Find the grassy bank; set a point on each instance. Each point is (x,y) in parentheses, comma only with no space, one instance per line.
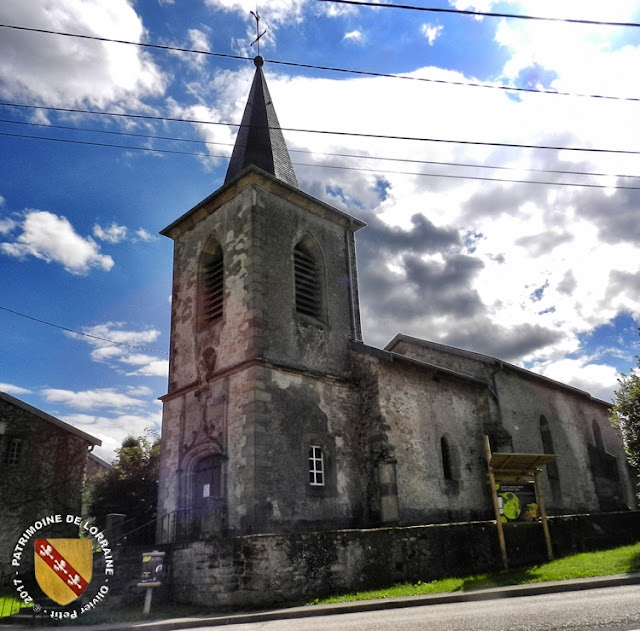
(622,560)
(9,604)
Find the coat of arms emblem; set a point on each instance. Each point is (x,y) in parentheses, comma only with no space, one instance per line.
(63,567)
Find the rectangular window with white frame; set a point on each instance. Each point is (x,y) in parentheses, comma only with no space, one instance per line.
(316,466)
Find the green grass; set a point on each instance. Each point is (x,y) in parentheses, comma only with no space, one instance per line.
(10,605)
(617,561)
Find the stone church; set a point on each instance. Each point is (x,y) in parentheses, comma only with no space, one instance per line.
(279,419)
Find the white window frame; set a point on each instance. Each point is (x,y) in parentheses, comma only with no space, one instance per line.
(316,466)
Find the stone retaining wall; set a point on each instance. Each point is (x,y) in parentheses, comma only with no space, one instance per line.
(259,570)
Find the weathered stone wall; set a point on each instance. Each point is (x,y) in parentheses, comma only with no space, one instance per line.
(523,398)
(407,410)
(261,570)
(318,345)
(260,383)
(299,411)
(47,480)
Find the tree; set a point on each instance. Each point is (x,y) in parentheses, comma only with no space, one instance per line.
(625,415)
(130,486)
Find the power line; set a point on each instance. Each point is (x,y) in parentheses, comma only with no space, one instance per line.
(122,41)
(333,166)
(474,177)
(358,156)
(328,132)
(515,16)
(107,144)
(469,84)
(95,337)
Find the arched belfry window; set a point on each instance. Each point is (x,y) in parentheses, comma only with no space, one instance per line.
(211,282)
(308,278)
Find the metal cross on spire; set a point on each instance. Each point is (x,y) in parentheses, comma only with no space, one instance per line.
(258,33)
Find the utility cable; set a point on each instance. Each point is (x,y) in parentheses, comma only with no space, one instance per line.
(327,132)
(95,337)
(515,16)
(358,156)
(471,84)
(332,166)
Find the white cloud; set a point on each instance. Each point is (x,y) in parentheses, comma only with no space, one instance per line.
(64,71)
(52,238)
(7,225)
(115,332)
(112,234)
(94,399)
(121,348)
(431,32)
(198,40)
(354,36)
(13,390)
(143,235)
(600,380)
(153,368)
(112,430)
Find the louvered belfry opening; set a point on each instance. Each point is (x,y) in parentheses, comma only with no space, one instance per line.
(213,282)
(307,279)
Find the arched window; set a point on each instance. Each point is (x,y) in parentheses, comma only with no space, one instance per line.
(448,453)
(308,282)
(211,282)
(597,435)
(547,447)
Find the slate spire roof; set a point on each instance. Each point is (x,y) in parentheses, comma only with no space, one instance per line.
(260,141)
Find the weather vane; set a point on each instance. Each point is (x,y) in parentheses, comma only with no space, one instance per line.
(258,33)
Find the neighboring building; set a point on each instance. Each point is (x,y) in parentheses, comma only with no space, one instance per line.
(279,419)
(42,469)
(95,466)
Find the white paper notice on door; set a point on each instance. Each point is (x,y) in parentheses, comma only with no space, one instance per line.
(206,490)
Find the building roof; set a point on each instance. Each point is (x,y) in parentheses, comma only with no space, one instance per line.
(254,176)
(493,361)
(92,440)
(260,141)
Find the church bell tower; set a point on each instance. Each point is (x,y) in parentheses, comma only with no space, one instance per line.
(264,305)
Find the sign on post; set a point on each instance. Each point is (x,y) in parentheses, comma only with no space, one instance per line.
(151,575)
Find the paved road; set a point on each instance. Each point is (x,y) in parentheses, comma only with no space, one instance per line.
(612,608)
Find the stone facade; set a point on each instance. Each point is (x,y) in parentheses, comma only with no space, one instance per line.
(280,422)
(399,431)
(42,469)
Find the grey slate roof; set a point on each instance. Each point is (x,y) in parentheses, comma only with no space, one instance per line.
(92,440)
(260,141)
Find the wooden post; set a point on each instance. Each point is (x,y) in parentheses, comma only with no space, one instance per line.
(496,505)
(147,601)
(543,514)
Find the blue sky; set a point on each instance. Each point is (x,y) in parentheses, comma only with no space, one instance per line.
(545,276)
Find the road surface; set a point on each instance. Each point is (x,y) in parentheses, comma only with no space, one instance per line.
(612,608)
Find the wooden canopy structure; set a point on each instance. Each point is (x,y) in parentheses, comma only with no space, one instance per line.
(515,468)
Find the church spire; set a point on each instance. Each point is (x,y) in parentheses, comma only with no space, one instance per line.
(260,141)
